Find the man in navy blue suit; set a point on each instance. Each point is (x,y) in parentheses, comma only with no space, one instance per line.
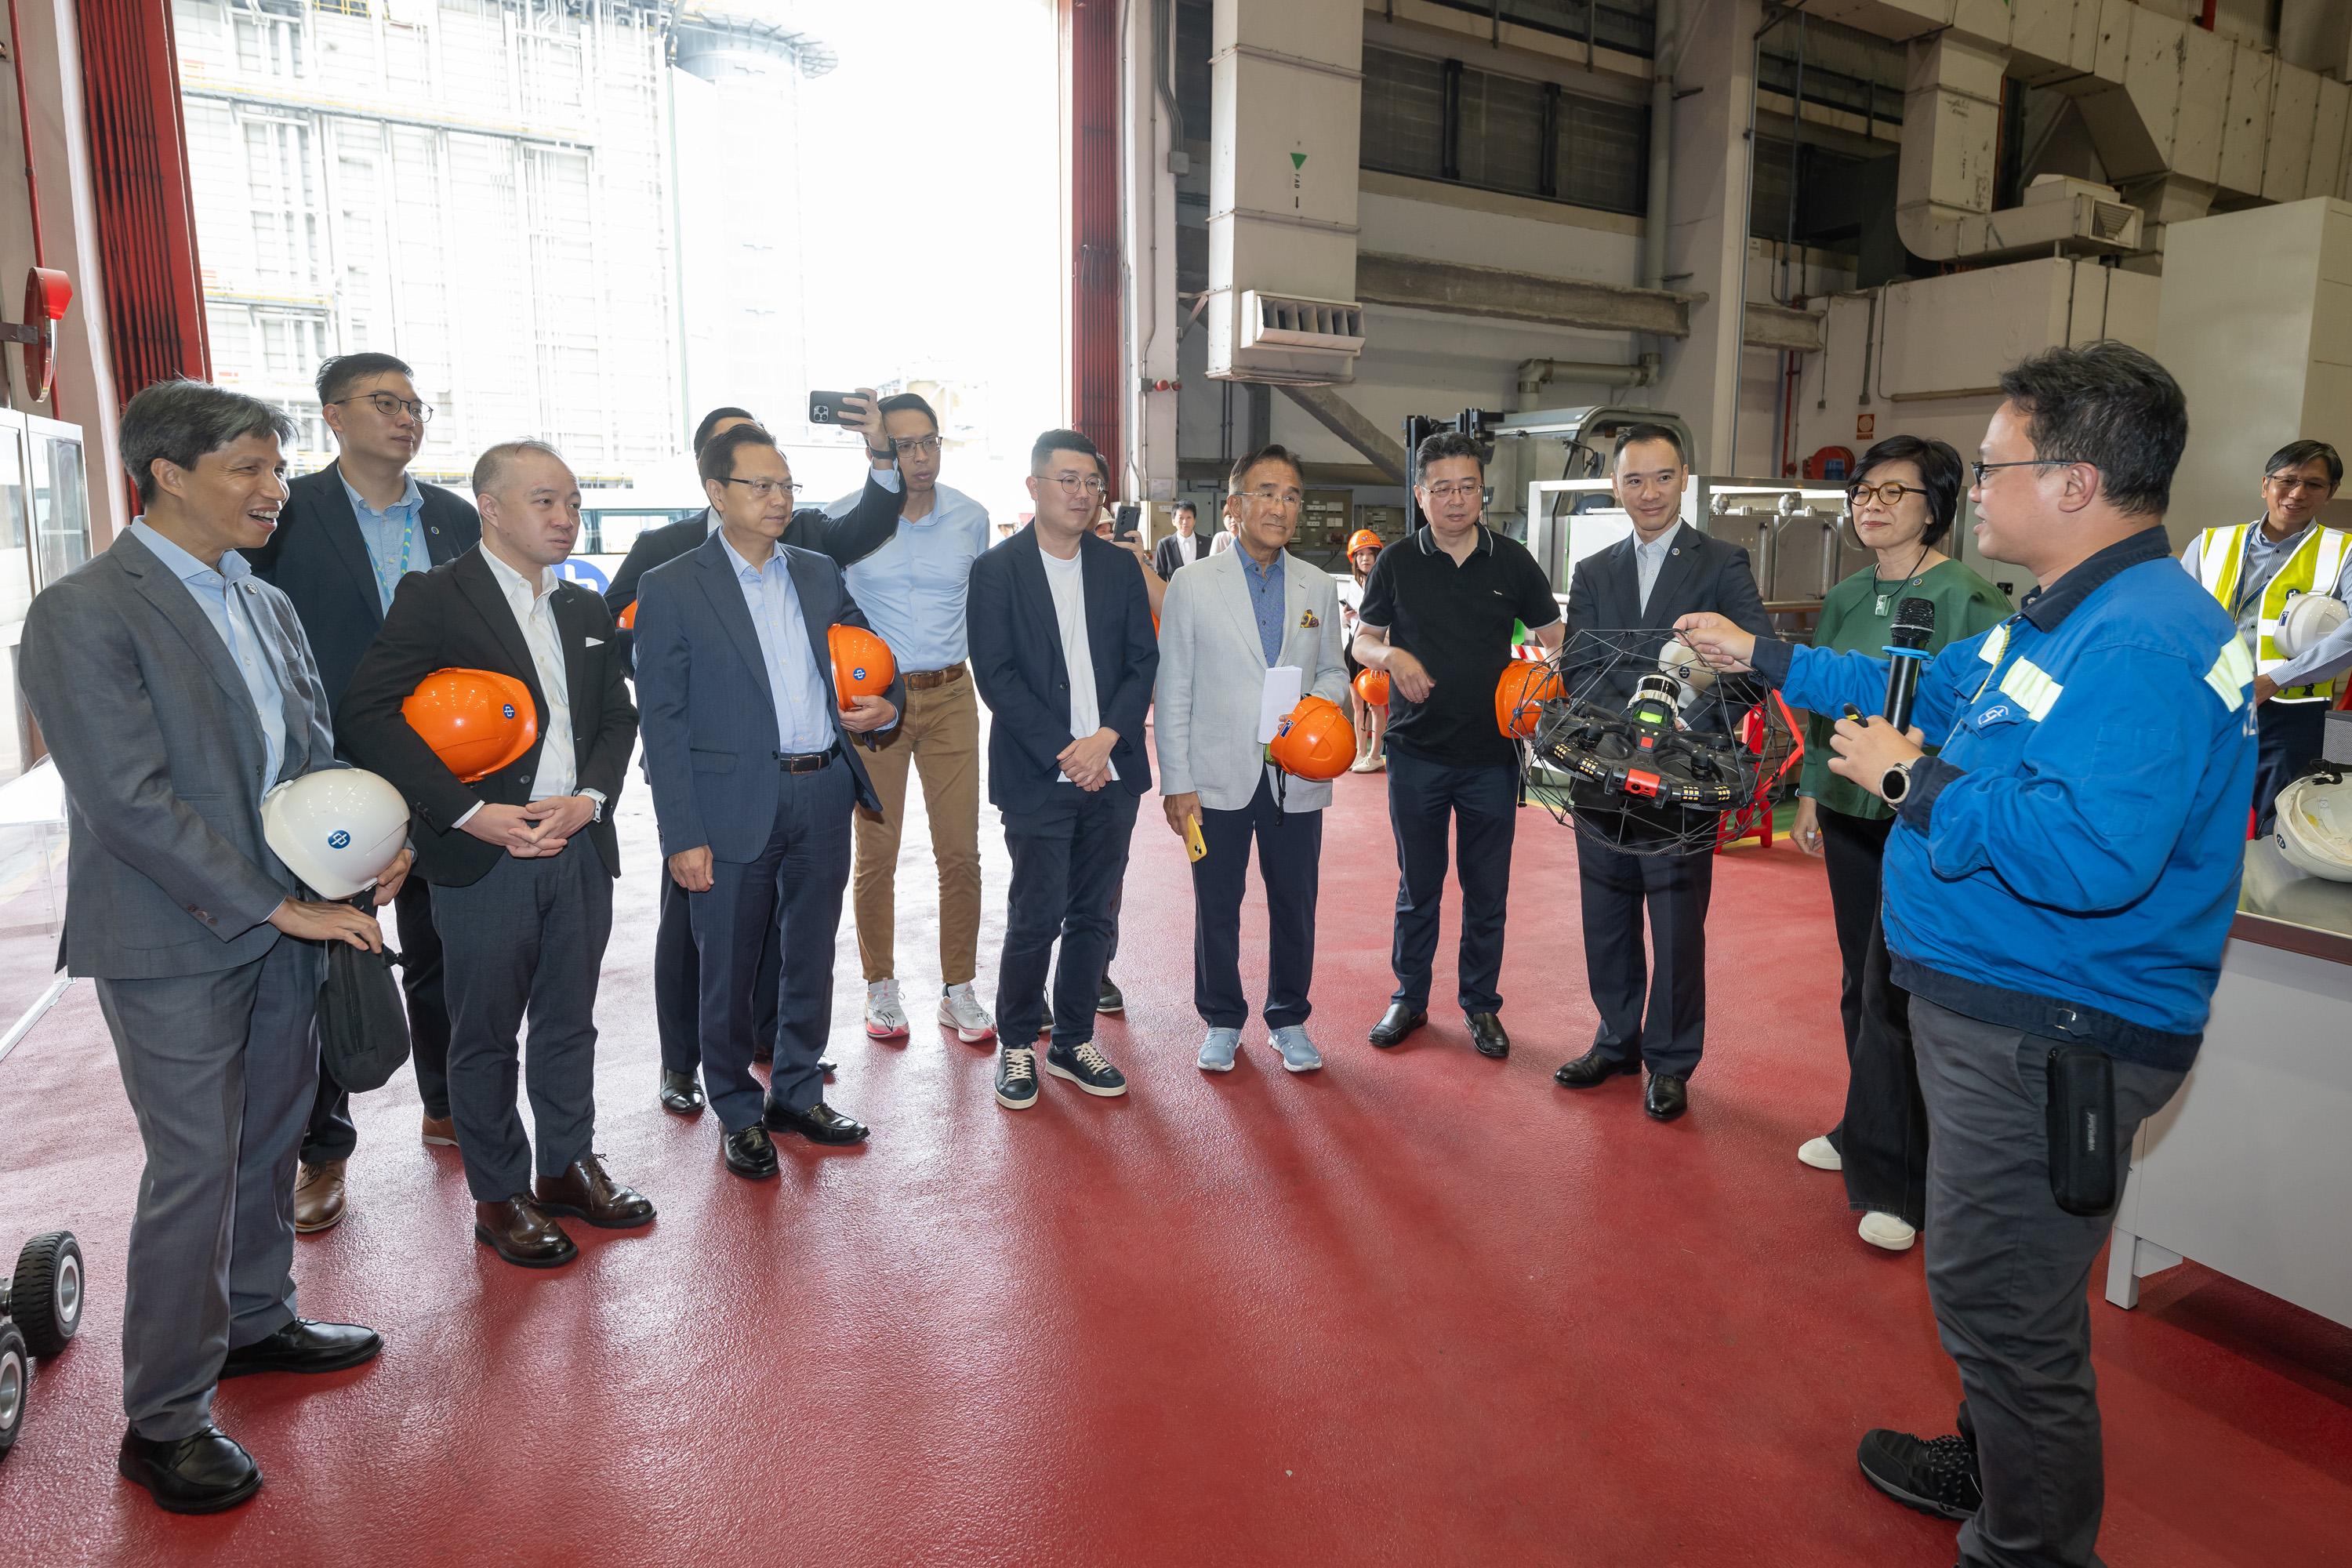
(1065,656)
(754,770)
(349,534)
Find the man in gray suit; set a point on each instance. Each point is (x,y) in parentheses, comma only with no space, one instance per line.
(1227,621)
(174,689)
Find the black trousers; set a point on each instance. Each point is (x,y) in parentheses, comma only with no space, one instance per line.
(1883,1136)
(1069,862)
(2289,734)
(1289,856)
(1481,807)
(788,899)
(332,1135)
(527,947)
(1653,1006)
(677,983)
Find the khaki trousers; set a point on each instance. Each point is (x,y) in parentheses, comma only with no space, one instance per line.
(939,736)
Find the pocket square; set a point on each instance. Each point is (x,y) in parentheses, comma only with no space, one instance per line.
(1309,620)
(595,642)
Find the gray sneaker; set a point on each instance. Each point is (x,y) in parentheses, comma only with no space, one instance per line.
(1298,1052)
(1218,1050)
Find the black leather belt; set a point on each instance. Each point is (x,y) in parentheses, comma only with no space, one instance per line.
(808,761)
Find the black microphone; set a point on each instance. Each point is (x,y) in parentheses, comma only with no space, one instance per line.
(1915,623)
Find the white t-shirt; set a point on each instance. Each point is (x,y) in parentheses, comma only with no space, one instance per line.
(1067,580)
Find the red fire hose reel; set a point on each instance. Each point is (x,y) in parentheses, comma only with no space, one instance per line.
(48,292)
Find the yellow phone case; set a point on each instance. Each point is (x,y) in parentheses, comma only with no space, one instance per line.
(1194,845)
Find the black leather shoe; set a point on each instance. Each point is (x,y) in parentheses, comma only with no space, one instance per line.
(1667,1096)
(1395,1024)
(826,1069)
(750,1154)
(820,1123)
(305,1346)
(1486,1035)
(204,1472)
(1109,999)
(681,1093)
(1593,1067)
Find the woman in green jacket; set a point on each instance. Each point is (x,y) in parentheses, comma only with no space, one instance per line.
(1902,503)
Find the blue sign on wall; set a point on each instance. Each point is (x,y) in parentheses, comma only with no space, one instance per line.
(586,572)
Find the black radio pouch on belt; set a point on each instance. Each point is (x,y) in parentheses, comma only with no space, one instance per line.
(2084,1163)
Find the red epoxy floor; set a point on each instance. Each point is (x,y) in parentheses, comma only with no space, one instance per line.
(1420,1307)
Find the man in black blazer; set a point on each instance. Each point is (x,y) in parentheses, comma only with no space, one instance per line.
(1183,547)
(865,527)
(522,861)
(350,532)
(755,769)
(1666,570)
(1065,656)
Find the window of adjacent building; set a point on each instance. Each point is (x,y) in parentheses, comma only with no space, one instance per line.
(283,192)
(268,35)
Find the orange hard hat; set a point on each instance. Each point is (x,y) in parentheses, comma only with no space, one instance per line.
(475,720)
(1372,686)
(1362,539)
(628,617)
(1314,741)
(1524,685)
(862,664)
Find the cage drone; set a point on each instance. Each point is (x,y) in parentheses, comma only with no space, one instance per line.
(1637,743)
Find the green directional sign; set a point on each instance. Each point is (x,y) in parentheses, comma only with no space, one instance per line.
(1298,160)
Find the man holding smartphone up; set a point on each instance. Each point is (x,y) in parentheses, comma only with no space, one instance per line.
(2059,885)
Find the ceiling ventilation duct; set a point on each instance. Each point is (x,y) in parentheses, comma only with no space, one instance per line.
(1287,90)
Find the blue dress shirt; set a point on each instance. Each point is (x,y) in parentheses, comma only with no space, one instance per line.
(213,589)
(1265,590)
(390,536)
(913,588)
(801,691)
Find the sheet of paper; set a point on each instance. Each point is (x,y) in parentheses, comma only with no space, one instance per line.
(1284,682)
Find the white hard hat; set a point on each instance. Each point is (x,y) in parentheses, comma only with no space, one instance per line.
(1682,661)
(2309,618)
(335,828)
(2314,831)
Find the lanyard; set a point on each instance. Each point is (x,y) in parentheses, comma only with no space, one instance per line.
(407,538)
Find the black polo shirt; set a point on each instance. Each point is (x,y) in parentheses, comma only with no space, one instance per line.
(1458,621)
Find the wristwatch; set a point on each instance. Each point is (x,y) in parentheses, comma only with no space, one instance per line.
(1895,781)
(886,455)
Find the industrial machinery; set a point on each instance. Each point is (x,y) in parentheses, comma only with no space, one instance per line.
(1646,750)
(40,1312)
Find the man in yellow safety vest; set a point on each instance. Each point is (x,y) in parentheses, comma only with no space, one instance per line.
(2255,569)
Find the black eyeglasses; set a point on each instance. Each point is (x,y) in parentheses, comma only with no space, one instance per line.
(391,408)
(925,445)
(1984,468)
(762,489)
(1889,494)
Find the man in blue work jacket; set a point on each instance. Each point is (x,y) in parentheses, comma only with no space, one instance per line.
(2062,873)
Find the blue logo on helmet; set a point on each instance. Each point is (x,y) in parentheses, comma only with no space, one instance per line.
(339,839)
(507,709)
(857,672)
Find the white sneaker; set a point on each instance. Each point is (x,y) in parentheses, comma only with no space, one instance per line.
(1820,1154)
(1887,1231)
(961,1010)
(885,1019)
(1217,1050)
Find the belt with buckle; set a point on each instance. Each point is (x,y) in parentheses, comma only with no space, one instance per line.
(924,679)
(808,761)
